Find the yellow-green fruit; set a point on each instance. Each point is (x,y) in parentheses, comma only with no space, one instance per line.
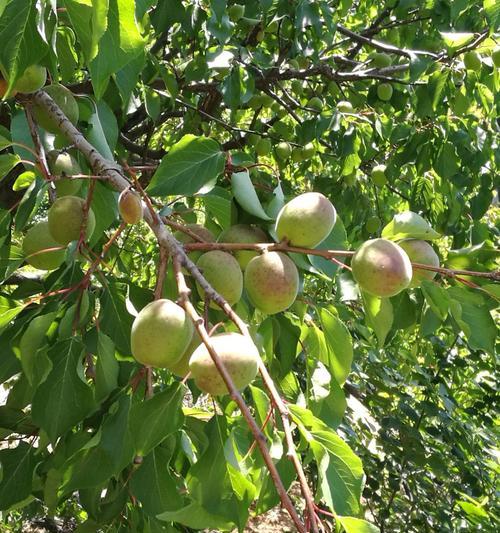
(495,56)
(381,60)
(235,12)
(32,79)
(308,151)
(306,220)
(38,238)
(203,233)
(283,151)
(239,355)
(344,106)
(223,273)
(181,367)
(378,175)
(65,100)
(297,155)
(315,103)
(298,87)
(161,333)
(245,234)
(263,147)
(66,219)
(372,224)
(420,252)
(272,282)
(472,61)
(384,91)
(64,164)
(381,268)
(130,206)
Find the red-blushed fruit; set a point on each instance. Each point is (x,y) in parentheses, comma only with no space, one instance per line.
(223,273)
(381,267)
(130,206)
(37,239)
(306,220)
(239,355)
(420,252)
(160,334)
(244,234)
(66,217)
(272,282)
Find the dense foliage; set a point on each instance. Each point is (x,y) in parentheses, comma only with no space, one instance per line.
(222,113)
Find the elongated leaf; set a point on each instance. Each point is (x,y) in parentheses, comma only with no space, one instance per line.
(191,166)
(246,196)
(7,163)
(114,318)
(107,367)
(379,315)
(63,399)
(356,525)
(17,469)
(8,310)
(409,225)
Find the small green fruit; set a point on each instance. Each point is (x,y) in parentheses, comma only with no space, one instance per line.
(161,333)
(378,175)
(239,355)
(308,151)
(130,206)
(235,12)
(294,64)
(283,151)
(307,220)
(252,139)
(272,282)
(472,61)
(38,238)
(260,36)
(420,252)
(382,268)
(64,99)
(223,273)
(203,233)
(298,87)
(315,103)
(372,224)
(384,91)
(63,164)
(344,107)
(263,147)
(297,155)
(244,234)
(65,219)
(381,60)
(32,79)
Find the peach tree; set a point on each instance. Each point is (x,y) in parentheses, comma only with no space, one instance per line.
(248,259)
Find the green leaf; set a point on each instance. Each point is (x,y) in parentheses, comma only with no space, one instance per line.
(379,315)
(409,225)
(191,167)
(447,163)
(339,344)
(327,400)
(17,469)
(120,44)
(8,310)
(456,40)
(155,419)
(246,196)
(107,367)
(492,10)
(337,240)
(63,399)
(153,485)
(7,163)
(437,298)
(220,207)
(114,319)
(356,525)
(24,180)
(196,517)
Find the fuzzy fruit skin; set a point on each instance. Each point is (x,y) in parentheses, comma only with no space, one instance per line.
(283,151)
(181,367)
(130,206)
(245,234)
(373,224)
(239,355)
(235,12)
(66,217)
(306,220)
(223,273)
(199,230)
(472,61)
(65,100)
(64,164)
(316,103)
(39,238)
(33,78)
(384,91)
(344,107)
(378,175)
(272,282)
(381,60)
(161,333)
(381,267)
(420,251)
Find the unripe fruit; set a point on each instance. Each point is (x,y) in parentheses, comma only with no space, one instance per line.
(297,155)
(294,64)
(420,252)
(283,151)
(245,234)
(205,234)
(272,282)
(298,87)
(315,103)
(181,367)
(130,206)
(372,224)
(39,238)
(32,79)
(239,355)
(306,220)
(378,175)
(381,60)
(63,164)
(381,268)
(308,151)
(263,147)
(66,217)
(472,61)
(161,333)
(235,12)
(495,56)
(344,106)
(64,99)
(223,273)
(384,91)
(260,36)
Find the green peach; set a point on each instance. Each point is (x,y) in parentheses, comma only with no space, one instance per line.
(420,251)
(66,218)
(37,239)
